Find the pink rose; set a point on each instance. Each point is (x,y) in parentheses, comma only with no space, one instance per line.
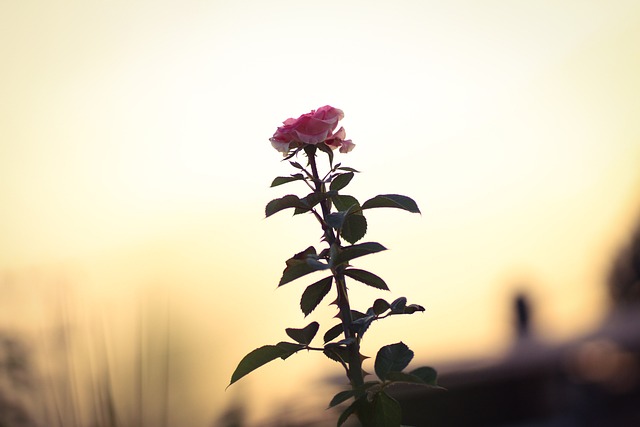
(337,141)
(312,128)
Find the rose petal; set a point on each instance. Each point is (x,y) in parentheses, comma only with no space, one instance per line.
(340,134)
(328,112)
(311,128)
(347,146)
(282,147)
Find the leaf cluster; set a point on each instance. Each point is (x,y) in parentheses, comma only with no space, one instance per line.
(265,354)
(342,218)
(348,220)
(371,399)
(380,309)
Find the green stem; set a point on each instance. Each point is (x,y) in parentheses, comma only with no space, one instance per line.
(354,371)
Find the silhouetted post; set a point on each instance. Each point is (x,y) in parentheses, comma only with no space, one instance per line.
(523,315)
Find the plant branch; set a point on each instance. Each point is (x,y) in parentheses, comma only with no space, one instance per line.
(354,370)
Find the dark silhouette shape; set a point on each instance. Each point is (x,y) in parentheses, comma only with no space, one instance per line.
(522,308)
(624,277)
(15,377)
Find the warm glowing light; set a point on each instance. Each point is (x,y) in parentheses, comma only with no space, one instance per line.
(134,153)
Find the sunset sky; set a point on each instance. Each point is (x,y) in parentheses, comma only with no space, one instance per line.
(135,165)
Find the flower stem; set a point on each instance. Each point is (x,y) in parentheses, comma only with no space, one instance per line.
(354,371)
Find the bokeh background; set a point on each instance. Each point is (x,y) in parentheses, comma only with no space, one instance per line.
(136,266)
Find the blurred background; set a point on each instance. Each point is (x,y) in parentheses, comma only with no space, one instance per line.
(136,266)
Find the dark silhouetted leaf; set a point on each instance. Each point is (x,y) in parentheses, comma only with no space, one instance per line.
(354,228)
(403,377)
(314,198)
(392,358)
(367,278)
(347,412)
(333,333)
(386,411)
(317,264)
(380,306)
(427,374)
(289,348)
(361,325)
(313,295)
(290,155)
(304,335)
(255,359)
(412,308)
(355,315)
(356,251)
(341,397)
(296,165)
(300,265)
(346,341)
(288,201)
(311,200)
(284,179)
(392,201)
(296,271)
(399,305)
(348,169)
(343,203)
(341,181)
(336,352)
(336,219)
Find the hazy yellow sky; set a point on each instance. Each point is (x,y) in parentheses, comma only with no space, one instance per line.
(134,153)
